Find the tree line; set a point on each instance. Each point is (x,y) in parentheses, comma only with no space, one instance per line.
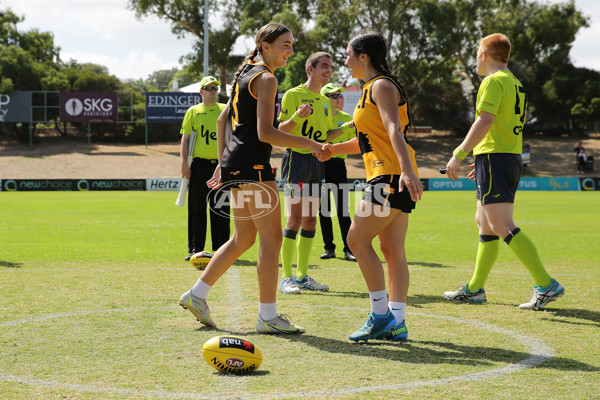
(432,46)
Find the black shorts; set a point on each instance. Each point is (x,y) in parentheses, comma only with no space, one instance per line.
(383,190)
(301,172)
(497,177)
(254,173)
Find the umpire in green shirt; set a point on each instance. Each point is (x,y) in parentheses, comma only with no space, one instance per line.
(336,178)
(202,118)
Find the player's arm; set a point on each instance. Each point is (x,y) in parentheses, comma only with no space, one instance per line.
(221,127)
(186,129)
(476,133)
(298,117)
(387,97)
(349,147)
(265,87)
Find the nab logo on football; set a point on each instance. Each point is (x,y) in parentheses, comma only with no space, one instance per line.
(236,343)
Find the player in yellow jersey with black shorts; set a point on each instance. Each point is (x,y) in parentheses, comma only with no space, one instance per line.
(305,112)
(381,119)
(202,118)
(496,138)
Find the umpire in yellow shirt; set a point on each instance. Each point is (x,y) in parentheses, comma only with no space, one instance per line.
(336,175)
(202,118)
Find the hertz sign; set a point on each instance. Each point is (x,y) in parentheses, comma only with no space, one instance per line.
(88,107)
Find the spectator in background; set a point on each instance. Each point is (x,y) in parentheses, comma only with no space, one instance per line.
(202,118)
(581,161)
(336,174)
(577,149)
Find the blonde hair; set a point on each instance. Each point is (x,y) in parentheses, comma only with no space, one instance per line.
(496,46)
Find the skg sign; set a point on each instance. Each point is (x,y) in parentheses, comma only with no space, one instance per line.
(88,107)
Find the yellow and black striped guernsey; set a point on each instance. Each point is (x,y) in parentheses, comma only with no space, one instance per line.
(375,144)
(242,146)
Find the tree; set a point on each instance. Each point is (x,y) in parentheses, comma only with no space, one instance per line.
(162,79)
(432,44)
(28,60)
(187,17)
(90,77)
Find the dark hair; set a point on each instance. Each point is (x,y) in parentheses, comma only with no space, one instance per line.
(268,33)
(373,44)
(314,58)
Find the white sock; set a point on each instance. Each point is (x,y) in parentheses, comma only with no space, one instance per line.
(398,309)
(200,289)
(267,311)
(379,304)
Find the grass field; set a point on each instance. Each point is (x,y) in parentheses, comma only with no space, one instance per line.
(89,285)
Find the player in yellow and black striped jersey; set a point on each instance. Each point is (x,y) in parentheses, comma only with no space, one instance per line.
(496,140)
(251,113)
(381,119)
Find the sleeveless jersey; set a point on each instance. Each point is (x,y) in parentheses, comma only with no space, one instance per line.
(203,120)
(503,95)
(242,146)
(317,124)
(375,144)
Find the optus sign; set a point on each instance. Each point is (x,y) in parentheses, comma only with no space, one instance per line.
(88,107)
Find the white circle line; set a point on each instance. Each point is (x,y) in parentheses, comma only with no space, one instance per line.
(539,352)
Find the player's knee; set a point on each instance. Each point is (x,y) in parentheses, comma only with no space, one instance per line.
(391,251)
(244,240)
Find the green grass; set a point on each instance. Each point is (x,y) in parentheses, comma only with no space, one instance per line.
(89,284)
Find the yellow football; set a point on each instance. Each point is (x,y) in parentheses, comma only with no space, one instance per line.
(232,354)
(200,260)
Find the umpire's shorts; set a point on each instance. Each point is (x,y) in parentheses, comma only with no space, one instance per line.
(302,173)
(497,177)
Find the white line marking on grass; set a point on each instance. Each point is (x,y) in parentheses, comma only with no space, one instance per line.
(432,269)
(539,352)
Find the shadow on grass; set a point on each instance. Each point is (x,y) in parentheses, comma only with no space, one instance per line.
(432,352)
(419,300)
(245,263)
(429,265)
(588,315)
(10,264)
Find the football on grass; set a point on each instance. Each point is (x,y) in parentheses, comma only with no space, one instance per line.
(200,260)
(232,354)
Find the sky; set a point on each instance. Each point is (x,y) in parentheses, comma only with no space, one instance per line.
(106,32)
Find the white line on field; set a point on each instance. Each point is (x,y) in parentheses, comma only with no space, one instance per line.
(412,269)
(538,353)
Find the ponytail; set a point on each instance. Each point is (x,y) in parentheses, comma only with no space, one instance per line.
(249,57)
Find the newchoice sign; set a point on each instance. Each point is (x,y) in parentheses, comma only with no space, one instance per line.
(71,185)
(169,107)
